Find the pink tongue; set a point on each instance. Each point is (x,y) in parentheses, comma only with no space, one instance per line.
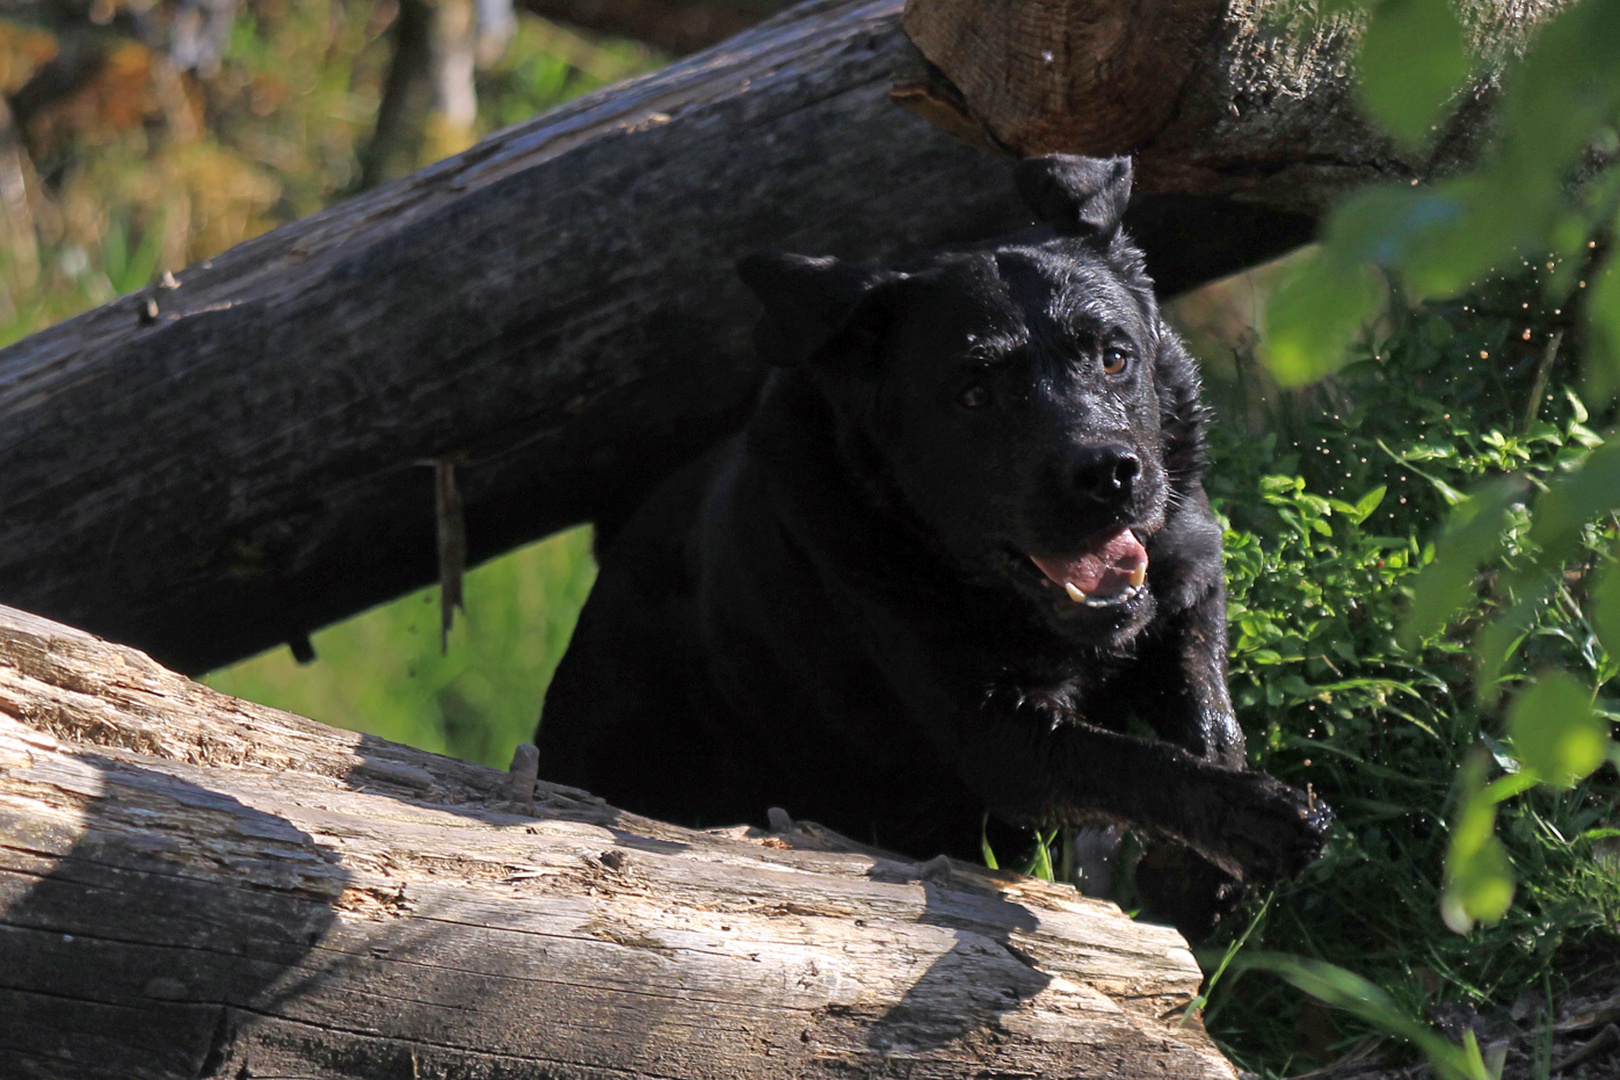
(1102,570)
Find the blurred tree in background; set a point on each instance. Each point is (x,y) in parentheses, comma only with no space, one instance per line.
(139,137)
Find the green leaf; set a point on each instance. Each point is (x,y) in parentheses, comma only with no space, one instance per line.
(1603,316)
(1566,86)
(1574,499)
(1346,990)
(1473,534)
(1369,503)
(985,850)
(1555,731)
(1413,60)
(1605,613)
(1479,876)
(1440,238)
(1316,315)
(1504,634)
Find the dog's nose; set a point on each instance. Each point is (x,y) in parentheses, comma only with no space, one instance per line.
(1103,472)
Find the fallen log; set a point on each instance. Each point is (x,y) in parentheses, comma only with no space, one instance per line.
(210,469)
(196,886)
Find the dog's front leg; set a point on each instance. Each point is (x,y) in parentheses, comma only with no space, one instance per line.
(1247,822)
(1178,682)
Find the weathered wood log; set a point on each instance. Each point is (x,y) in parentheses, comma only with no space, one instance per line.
(196,886)
(209,470)
(1248,98)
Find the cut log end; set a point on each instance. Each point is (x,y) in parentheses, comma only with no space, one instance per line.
(1065,76)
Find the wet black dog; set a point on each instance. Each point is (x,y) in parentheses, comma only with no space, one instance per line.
(961,545)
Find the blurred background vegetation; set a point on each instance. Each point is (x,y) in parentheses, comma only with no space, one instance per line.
(136,137)
(141,137)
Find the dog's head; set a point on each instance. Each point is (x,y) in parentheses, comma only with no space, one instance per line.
(1023,400)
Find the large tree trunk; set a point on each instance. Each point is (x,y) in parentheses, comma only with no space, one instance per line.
(195,886)
(212,469)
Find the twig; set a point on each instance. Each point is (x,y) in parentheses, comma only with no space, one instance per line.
(1533,406)
(1600,1043)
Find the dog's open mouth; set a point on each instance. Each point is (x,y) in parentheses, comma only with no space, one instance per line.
(1107,572)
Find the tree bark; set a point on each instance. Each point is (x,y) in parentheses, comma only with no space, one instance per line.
(210,470)
(196,886)
(1253,99)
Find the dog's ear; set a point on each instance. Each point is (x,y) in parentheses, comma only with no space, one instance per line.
(811,305)
(1080,196)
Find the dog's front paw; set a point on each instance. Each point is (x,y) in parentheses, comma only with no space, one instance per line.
(1271,830)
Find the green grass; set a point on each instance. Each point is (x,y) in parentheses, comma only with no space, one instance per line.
(1333,496)
(382,671)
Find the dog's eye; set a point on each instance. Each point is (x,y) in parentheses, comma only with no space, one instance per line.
(1115,361)
(974,397)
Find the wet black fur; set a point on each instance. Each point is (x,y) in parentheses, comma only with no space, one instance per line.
(835,611)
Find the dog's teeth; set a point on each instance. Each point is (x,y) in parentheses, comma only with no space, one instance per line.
(1074,592)
(1138,576)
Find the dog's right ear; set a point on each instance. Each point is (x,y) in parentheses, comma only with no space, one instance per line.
(811,304)
(1081,196)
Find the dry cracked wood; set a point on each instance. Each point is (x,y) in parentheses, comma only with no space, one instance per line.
(195,886)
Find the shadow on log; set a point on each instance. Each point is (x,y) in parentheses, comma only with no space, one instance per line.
(211,469)
(192,885)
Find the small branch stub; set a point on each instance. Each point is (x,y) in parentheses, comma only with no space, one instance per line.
(451,531)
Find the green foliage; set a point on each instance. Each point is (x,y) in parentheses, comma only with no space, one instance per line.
(1331,495)
(546,64)
(382,671)
(1556,733)
(1345,990)
(1413,59)
(1479,875)
(1320,306)
(1438,240)
(273,136)
(1531,530)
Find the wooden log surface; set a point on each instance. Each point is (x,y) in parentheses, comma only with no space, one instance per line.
(1254,99)
(196,886)
(209,470)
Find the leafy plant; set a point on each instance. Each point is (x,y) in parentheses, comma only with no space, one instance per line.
(383,672)
(1329,511)
(1524,574)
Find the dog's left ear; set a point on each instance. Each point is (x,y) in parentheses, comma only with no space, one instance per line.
(813,306)
(1081,196)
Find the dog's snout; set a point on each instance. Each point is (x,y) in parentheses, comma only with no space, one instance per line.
(1103,472)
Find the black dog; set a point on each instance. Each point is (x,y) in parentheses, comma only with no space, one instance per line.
(961,545)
